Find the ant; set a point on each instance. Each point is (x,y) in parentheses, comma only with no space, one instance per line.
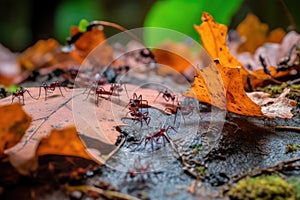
(137,102)
(20,93)
(118,88)
(50,88)
(95,84)
(138,170)
(101,91)
(167,96)
(185,110)
(163,132)
(139,116)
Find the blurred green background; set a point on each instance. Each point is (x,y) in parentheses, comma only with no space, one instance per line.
(23,22)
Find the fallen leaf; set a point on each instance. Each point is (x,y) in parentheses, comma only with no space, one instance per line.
(58,113)
(92,44)
(274,107)
(63,142)
(213,36)
(254,33)
(40,54)
(176,56)
(221,84)
(272,53)
(276,36)
(222,87)
(13,124)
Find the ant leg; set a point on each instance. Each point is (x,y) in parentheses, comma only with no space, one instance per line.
(158,96)
(126,91)
(39,93)
(45,93)
(31,95)
(60,91)
(23,99)
(88,94)
(12,99)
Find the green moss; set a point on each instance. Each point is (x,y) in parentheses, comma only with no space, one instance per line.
(201,170)
(295,182)
(291,148)
(264,188)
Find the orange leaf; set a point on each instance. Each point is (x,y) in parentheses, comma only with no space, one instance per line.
(177,56)
(253,31)
(213,36)
(222,87)
(46,53)
(63,142)
(276,35)
(13,125)
(92,42)
(39,55)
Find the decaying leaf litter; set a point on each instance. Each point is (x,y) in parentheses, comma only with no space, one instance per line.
(228,151)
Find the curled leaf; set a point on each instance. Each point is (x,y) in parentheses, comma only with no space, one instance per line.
(274,107)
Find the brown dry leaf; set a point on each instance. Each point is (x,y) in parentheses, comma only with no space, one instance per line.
(59,112)
(40,54)
(47,53)
(63,142)
(176,56)
(13,124)
(222,87)
(274,107)
(276,35)
(253,31)
(256,34)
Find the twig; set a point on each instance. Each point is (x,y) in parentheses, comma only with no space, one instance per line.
(294,81)
(107,193)
(291,20)
(287,128)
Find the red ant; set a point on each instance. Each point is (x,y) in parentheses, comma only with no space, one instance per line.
(138,168)
(50,88)
(187,109)
(95,84)
(167,96)
(118,88)
(139,116)
(137,102)
(155,136)
(20,93)
(101,91)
